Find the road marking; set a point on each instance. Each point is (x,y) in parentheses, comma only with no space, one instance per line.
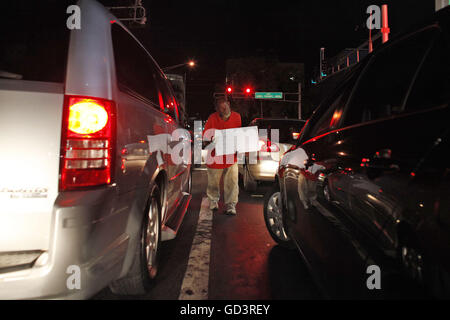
(257,195)
(196,278)
(200,169)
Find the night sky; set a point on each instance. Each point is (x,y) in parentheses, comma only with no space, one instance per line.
(293,31)
(212,31)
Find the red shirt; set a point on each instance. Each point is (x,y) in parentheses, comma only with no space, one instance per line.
(216,122)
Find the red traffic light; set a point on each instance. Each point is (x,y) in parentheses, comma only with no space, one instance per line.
(229,89)
(248,91)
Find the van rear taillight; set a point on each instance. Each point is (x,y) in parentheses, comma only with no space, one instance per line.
(87,143)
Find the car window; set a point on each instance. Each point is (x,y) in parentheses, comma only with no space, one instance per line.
(331,109)
(432,86)
(385,82)
(34,41)
(135,69)
(330,118)
(168,99)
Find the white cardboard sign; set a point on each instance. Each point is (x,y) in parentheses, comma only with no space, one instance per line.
(240,140)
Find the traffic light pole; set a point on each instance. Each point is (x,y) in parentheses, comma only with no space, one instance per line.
(300,100)
(244,96)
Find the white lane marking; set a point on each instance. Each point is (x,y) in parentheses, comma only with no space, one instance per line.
(196,278)
(200,169)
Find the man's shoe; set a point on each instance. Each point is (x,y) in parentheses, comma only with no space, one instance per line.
(213,205)
(231,212)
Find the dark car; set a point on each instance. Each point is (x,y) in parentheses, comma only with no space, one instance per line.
(367,186)
(262,165)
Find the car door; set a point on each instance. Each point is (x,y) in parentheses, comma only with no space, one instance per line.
(422,194)
(428,205)
(315,224)
(384,142)
(181,145)
(175,168)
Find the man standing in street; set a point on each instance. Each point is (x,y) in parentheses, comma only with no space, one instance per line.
(225,165)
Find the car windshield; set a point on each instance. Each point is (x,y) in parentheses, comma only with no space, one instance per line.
(286,128)
(35,46)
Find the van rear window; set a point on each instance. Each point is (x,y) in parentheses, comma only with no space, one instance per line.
(34,41)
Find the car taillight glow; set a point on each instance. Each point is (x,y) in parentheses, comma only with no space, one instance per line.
(88,134)
(267,146)
(87,116)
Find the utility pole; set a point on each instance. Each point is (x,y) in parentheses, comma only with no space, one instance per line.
(300,100)
(385,25)
(184,91)
(370,44)
(322,63)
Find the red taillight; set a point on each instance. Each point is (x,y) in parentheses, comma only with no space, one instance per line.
(267,146)
(87,142)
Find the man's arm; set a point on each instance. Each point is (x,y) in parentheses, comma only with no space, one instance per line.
(208,131)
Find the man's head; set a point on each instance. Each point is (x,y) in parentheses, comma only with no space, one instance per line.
(223,107)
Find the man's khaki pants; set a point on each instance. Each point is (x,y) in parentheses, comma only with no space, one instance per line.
(230,185)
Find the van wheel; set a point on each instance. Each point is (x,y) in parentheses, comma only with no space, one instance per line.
(273,217)
(249,183)
(145,265)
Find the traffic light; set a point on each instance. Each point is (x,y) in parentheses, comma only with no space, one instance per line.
(248,91)
(228,89)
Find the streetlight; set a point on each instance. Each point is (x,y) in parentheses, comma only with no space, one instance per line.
(190,63)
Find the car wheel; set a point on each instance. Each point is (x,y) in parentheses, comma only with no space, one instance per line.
(249,183)
(430,276)
(146,259)
(273,217)
(412,262)
(152,236)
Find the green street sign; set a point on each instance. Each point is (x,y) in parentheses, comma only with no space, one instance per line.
(268,95)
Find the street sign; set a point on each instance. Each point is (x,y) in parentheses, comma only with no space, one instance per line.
(268,95)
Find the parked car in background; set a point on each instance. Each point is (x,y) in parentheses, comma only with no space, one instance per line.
(368,183)
(262,165)
(82,191)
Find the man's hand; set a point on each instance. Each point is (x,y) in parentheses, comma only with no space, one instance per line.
(206,143)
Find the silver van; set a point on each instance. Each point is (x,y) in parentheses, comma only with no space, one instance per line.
(85,198)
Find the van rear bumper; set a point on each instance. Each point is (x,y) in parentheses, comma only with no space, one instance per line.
(84,256)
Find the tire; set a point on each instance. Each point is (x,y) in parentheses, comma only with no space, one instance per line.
(412,263)
(273,217)
(249,183)
(144,269)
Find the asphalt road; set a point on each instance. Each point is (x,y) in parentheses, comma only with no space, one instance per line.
(241,260)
